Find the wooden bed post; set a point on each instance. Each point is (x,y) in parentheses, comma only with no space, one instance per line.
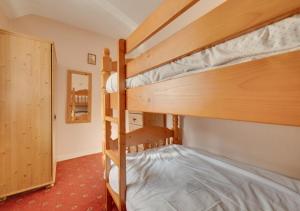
(176,138)
(115,150)
(121,116)
(106,111)
(105,108)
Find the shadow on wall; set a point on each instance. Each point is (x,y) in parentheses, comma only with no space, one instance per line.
(264,145)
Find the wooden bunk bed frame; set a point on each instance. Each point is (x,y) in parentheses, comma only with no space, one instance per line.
(80,98)
(264,91)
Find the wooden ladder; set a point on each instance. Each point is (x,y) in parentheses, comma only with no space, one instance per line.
(115,151)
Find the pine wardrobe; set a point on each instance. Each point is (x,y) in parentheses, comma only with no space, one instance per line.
(26,113)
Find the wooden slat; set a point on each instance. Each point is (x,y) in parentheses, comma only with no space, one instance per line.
(106,111)
(148,135)
(233,18)
(113,144)
(114,156)
(113,100)
(114,96)
(121,128)
(114,195)
(111,119)
(162,16)
(266,90)
(114,65)
(109,200)
(176,138)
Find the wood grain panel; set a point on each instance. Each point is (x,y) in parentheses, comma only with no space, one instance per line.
(231,19)
(121,125)
(133,127)
(148,135)
(162,16)
(106,126)
(54,108)
(135,118)
(114,65)
(25,113)
(176,138)
(266,90)
(114,196)
(113,100)
(151,119)
(105,105)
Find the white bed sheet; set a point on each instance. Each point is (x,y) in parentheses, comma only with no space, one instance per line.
(179,178)
(273,39)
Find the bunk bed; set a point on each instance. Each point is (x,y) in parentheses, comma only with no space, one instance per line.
(261,85)
(79,104)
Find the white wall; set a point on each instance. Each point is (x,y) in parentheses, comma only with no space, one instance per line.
(72,46)
(224,134)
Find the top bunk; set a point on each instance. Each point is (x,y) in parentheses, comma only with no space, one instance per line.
(265,89)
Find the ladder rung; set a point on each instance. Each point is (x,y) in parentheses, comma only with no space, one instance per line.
(111,119)
(114,156)
(114,195)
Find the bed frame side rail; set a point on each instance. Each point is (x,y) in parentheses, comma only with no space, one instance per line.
(231,19)
(264,91)
(167,11)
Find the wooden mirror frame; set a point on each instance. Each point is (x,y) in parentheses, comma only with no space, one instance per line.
(69,103)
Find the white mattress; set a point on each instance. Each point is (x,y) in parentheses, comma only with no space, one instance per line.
(179,178)
(276,38)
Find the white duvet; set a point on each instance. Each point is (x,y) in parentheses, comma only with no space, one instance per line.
(276,38)
(179,178)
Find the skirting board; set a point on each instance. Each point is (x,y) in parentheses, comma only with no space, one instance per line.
(76,154)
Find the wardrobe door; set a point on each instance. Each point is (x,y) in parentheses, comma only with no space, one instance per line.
(25,114)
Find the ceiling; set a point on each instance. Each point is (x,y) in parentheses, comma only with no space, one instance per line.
(114,18)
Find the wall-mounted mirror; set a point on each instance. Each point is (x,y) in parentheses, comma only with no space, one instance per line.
(79,94)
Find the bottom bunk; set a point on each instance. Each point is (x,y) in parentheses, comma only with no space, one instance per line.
(175,177)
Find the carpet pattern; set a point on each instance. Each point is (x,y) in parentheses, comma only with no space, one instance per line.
(79,186)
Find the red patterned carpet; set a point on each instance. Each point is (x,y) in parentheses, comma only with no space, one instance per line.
(79,186)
